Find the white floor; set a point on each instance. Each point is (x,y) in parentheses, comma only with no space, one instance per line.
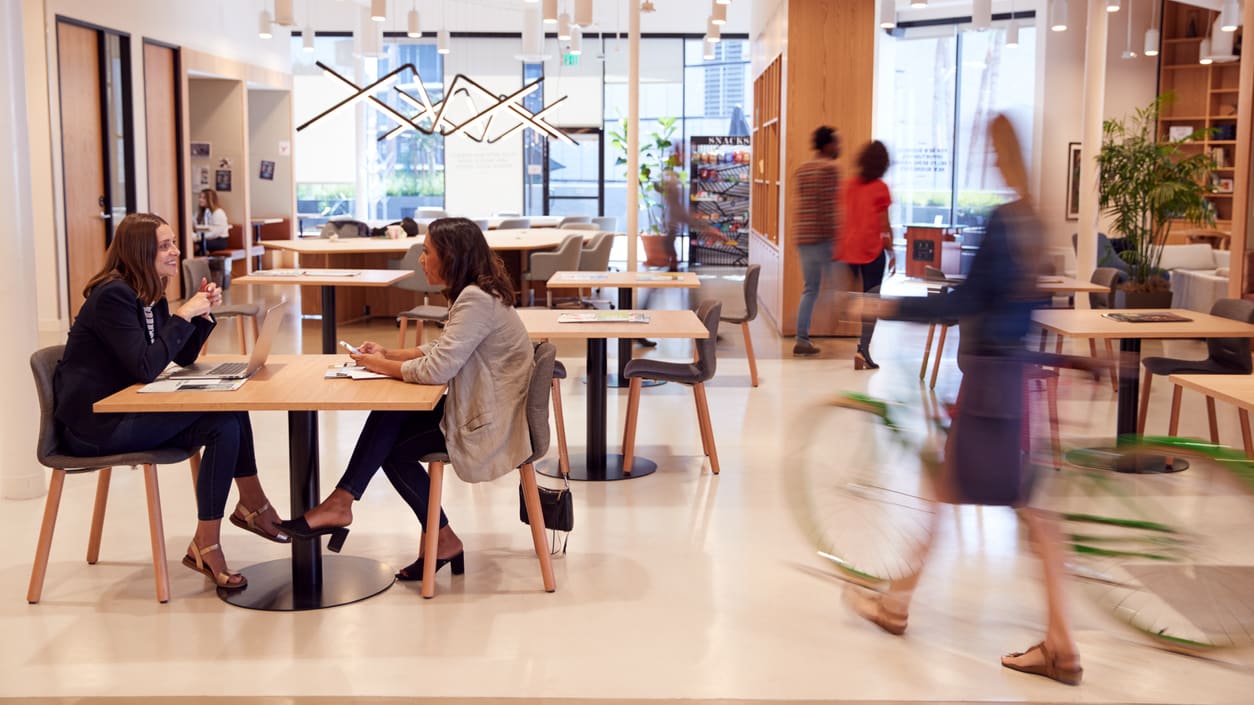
(677,586)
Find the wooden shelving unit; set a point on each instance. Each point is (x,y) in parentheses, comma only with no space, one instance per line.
(764,194)
(1206,97)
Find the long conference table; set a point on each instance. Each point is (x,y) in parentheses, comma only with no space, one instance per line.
(296,384)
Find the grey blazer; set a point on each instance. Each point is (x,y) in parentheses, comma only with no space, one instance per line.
(485,357)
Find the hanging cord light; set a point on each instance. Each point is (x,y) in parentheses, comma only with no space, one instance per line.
(1012,29)
(1112,5)
(1127,44)
(379,10)
(1058,15)
(413,23)
(713,32)
(982,14)
(918,3)
(888,14)
(1230,16)
(548,12)
(307,36)
(1203,50)
(707,52)
(718,13)
(576,41)
(263,25)
(583,13)
(1151,34)
(283,13)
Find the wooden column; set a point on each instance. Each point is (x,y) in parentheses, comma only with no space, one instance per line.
(1242,198)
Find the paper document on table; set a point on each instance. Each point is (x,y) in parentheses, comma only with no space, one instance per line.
(306,273)
(659,277)
(604,317)
(188,385)
(351,372)
(580,277)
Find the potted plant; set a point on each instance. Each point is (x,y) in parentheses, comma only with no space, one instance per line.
(1146,184)
(658,153)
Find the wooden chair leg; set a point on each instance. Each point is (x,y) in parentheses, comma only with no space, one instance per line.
(1246,439)
(1114,362)
(46,529)
(753,361)
(927,349)
(400,342)
(1051,398)
(940,351)
(431,537)
(239,330)
(707,429)
(1210,416)
(535,514)
(1174,426)
(1145,397)
(156,533)
(1058,344)
(1092,347)
(629,431)
(563,457)
(98,514)
(1044,338)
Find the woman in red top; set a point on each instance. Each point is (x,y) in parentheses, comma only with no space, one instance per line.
(867,238)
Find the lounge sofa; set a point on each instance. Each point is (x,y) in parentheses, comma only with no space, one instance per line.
(1199,275)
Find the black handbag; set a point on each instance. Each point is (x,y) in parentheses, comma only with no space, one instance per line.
(557,507)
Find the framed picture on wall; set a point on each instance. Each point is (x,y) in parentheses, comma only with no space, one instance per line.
(1224,185)
(267,170)
(1073,181)
(222,180)
(201,150)
(202,178)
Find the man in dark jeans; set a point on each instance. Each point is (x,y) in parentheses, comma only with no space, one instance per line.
(814,228)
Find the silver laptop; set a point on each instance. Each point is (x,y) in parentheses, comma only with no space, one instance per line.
(238,370)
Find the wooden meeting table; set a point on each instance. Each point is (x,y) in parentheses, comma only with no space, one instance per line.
(543,324)
(624,282)
(1237,390)
(296,384)
(327,280)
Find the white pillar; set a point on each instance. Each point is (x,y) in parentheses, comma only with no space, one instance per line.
(633,133)
(21,476)
(1091,140)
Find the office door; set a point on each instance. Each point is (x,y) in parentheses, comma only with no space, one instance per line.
(96,147)
(576,174)
(163,121)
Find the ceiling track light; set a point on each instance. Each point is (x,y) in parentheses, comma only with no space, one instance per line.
(1058,15)
(563,27)
(718,13)
(982,14)
(1230,16)
(888,14)
(548,11)
(263,25)
(713,32)
(441,41)
(379,10)
(583,13)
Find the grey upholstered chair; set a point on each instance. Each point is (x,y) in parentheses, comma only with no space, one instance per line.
(1227,356)
(197,268)
(49,453)
(609,223)
(570,219)
(752,273)
(694,374)
(429,213)
(483,223)
(543,265)
(514,224)
(538,425)
(424,312)
(579,226)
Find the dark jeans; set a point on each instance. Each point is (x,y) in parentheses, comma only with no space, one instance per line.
(872,274)
(227,438)
(395,440)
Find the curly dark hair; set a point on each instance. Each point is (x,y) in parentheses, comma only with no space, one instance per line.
(822,137)
(132,258)
(872,161)
(466,259)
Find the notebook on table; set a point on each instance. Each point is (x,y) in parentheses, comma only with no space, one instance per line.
(237,370)
(604,317)
(1154,317)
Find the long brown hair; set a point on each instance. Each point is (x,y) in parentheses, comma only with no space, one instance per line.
(132,258)
(466,259)
(211,203)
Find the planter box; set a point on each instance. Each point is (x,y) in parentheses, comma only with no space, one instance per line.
(1142,299)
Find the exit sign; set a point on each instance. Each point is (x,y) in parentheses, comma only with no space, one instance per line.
(570,59)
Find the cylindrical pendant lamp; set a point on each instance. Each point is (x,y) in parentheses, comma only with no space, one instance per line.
(283,13)
(413,26)
(888,14)
(707,50)
(378,10)
(1012,34)
(263,25)
(1058,15)
(718,13)
(307,39)
(583,13)
(441,42)
(549,11)
(713,32)
(563,27)
(982,14)
(576,41)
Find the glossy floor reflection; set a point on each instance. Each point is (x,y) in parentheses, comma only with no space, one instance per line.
(678,586)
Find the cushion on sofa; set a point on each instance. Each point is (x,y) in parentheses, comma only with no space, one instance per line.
(1197,256)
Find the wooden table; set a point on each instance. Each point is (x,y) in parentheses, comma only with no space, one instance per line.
(1237,390)
(1094,324)
(295,384)
(327,280)
(624,282)
(542,324)
(1051,284)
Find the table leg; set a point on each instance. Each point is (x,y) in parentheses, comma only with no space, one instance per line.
(309,580)
(1129,387)
(328,320)
(624,344)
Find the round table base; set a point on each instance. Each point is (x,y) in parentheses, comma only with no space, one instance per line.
(1119,460)
(345,579)
(613,468)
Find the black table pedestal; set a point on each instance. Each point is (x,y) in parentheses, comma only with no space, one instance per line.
(580,469)
(328,320)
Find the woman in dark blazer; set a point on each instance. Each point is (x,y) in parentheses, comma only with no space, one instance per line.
(485,357)
(124,334)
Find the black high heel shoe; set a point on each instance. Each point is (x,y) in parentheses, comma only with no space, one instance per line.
(862,360)
(300,528)
(413,571)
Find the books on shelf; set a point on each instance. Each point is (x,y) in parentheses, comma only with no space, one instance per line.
(604,317)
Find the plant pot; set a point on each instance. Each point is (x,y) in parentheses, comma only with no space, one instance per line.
(1142,299)
(659,251)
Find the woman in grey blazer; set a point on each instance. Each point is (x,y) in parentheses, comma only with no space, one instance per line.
(483,355)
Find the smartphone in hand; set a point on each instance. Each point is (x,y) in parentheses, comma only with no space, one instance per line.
(350,348)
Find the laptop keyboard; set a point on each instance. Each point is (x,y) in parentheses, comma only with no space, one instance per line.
(228,368)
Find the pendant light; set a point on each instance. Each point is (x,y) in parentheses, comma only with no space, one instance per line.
(1012,29)
(441,41)
(532,35)
(1230,16)
(283,13)
(918,3)
(713,32)
(549,11)
(263,25)
(1058,15)
(707,52)
(982,14)
(563,27)
(1203,52)
(413,24)
(1112,5)
(718,13)
(583,13)
(888,14)
(307,39)
(723,2)
(1127,43)
(1151,34)
(576,41)
(379,10)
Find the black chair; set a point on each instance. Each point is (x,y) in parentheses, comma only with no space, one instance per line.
(47,450)
(1227,356)
(694,374)
(752,274)
(538,424)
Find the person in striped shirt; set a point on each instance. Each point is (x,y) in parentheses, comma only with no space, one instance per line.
(814,226)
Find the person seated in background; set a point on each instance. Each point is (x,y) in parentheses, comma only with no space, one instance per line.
(123,335)
(485,358)
(212,221)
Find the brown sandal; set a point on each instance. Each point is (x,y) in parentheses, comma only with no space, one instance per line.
(248,522)
(1070,675)
(195,559)
(870,606)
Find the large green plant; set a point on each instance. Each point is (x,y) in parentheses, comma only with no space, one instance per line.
(658,153)
(1146,184)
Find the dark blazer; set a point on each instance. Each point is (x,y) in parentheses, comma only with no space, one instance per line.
(108,350)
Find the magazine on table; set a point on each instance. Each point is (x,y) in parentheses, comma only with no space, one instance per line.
(604,317)
(1149,317)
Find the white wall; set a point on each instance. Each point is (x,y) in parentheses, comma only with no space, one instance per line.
(269,123)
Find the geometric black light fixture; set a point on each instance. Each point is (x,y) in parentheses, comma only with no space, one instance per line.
(431,118)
